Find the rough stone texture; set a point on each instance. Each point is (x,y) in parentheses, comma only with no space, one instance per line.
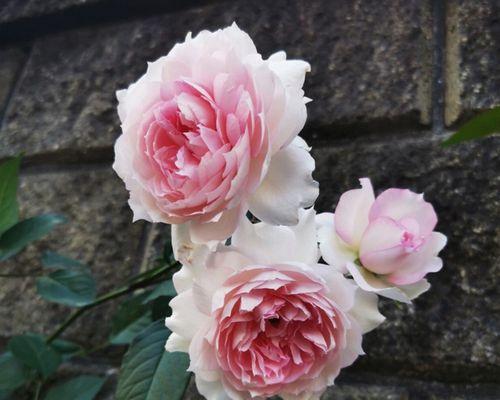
(451,330)
(473,57)
(371,69)
(11,61)
(158,238)
(368,63)
(378,387)
(100,233)
(25,10)
(339,392)
(15,9)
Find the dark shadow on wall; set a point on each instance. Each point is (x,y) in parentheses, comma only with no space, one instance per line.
(34,26)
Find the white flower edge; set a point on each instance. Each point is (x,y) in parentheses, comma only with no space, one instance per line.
(333,250)
(287,187)
(369,282)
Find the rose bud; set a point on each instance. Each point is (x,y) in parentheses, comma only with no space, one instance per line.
(387,244)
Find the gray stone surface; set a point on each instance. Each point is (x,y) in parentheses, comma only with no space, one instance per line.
(99,232)
(452,330)
(14,9)
(381,387)
(369,63)
(473,57)
(365,392)
(337,392)
(371,76)
(158,239)
(370,59)
(11,62)
(375,386)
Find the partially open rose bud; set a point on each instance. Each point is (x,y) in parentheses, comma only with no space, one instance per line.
(387,244)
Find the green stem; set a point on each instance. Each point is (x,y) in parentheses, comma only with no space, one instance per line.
(147,281)
(28,275)
(37,390)
(84,352)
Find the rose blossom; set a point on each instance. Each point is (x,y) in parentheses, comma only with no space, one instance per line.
(387,244)
(261,317)
(210,131)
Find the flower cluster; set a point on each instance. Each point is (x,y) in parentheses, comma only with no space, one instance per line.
(276,307)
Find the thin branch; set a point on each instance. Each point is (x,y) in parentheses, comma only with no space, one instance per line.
(146,281)
(33,274)
(37,390)
(85,352)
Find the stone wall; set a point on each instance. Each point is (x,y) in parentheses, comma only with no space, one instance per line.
(390,80)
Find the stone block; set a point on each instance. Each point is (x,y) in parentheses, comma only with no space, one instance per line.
(472,58)
(370,61)
(337,392)
(15,9)
(378,386)
(451,330)
(11,62)
(99,233)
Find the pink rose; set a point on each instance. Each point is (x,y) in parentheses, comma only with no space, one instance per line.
(210,131)
(387,244)
(261,317)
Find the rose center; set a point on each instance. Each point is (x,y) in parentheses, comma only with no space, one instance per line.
(411,242)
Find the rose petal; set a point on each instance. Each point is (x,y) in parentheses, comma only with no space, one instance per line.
(370,283)
(211,232)
(403,203)
(268,244)
(212,390)
(351,213)
(342,291)
(381,250)
(185,251)
(287,187)
(186,318)
(365,310)
(176,342)
(333,250)
(419,263)
(292,74)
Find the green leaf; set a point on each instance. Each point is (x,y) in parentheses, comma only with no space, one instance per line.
(168,253)
(130,319)
(52,259)
(9,180)
(163,289)
(84,387)
(159,299)
(66,348)
(160,308)
(128,334)
(24,232)
(13,373)
(73,287)
(482,125)
(33,352)
(149,372)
